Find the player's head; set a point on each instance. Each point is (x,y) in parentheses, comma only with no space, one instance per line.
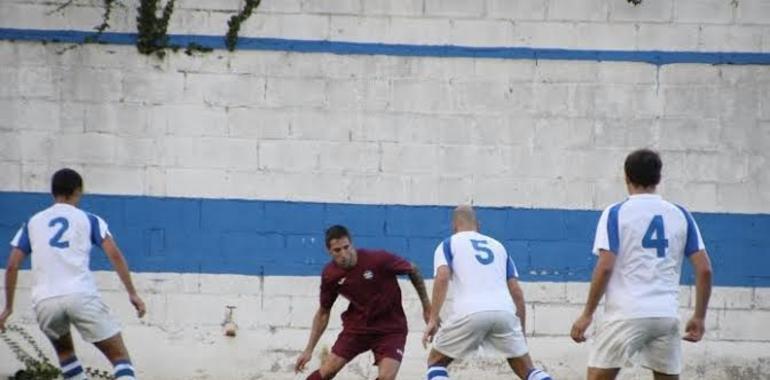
(340,246)
(643,169)
(66,184)
(464,219)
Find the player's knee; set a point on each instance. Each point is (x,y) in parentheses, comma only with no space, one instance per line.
(327,372)
(387,374)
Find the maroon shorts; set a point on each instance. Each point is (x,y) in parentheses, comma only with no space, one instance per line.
(348,345)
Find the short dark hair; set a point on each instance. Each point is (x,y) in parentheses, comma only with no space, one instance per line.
(65,182)
(643,167)
(336,232)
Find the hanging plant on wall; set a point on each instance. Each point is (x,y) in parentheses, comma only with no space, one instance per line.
(105,22)
(234,25)
(152,36)
(152,29)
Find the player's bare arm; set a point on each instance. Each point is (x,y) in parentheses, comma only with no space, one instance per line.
(518,299)
(440,286)
(320,321)
(599,280)
(11,274)
(696,325)
(415,276)
(121,267)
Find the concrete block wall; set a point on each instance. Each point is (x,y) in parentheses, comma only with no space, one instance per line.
(191,154)
(708,25)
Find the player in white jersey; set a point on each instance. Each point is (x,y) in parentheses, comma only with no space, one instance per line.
(641,243)
(59,240)
(487,303)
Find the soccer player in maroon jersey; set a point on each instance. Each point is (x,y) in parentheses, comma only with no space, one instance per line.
(375,319)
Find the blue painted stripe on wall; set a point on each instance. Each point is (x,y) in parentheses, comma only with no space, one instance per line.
(286,238)
(655,57)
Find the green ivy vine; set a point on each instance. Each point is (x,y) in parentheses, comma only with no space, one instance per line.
(234,24)
(105,22)
(152,29)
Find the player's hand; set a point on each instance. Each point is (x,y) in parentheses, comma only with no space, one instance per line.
(3,318)
(302,361)
(430,331)
(579,328)
(694,330)
(138,305)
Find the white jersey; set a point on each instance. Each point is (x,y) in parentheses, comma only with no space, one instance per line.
(60,239)
(650,238)
(480,268)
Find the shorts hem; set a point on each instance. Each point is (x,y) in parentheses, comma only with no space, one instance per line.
(100,338)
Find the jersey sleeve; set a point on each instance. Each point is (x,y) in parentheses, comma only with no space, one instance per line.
(601,240)
(328,292)
(442,255)
(694,242)
(99,229)
(510,266)
(396,264)
(21,240)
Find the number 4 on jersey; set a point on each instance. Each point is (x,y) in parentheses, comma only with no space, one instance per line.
(659,242)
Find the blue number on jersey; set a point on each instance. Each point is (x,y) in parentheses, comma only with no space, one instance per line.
(486,257)
(659,242)
(56,241)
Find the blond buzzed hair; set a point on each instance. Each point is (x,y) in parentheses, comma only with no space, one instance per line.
(464,215)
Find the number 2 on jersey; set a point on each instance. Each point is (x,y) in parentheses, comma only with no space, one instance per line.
(56,241)
(660,243)
(486,256)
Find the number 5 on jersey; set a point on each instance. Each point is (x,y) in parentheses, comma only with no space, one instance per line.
(659,242)
(486,256)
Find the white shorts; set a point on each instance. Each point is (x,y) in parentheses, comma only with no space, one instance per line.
(90,316)
(463,336)
(654,343)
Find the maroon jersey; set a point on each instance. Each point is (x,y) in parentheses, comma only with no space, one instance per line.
(372,288)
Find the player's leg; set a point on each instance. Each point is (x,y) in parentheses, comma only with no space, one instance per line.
(455,340)
(329,368)
(662,376)
(71,368)
(506,336)
(115,350)
(602,373)
(437,366)
(96,325)
(387,369)
(388,352)
(345,349)
(615,343)
(55,324)
(662,354)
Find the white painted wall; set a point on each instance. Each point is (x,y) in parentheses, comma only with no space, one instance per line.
(179,339)
(426,130)
(375,129)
